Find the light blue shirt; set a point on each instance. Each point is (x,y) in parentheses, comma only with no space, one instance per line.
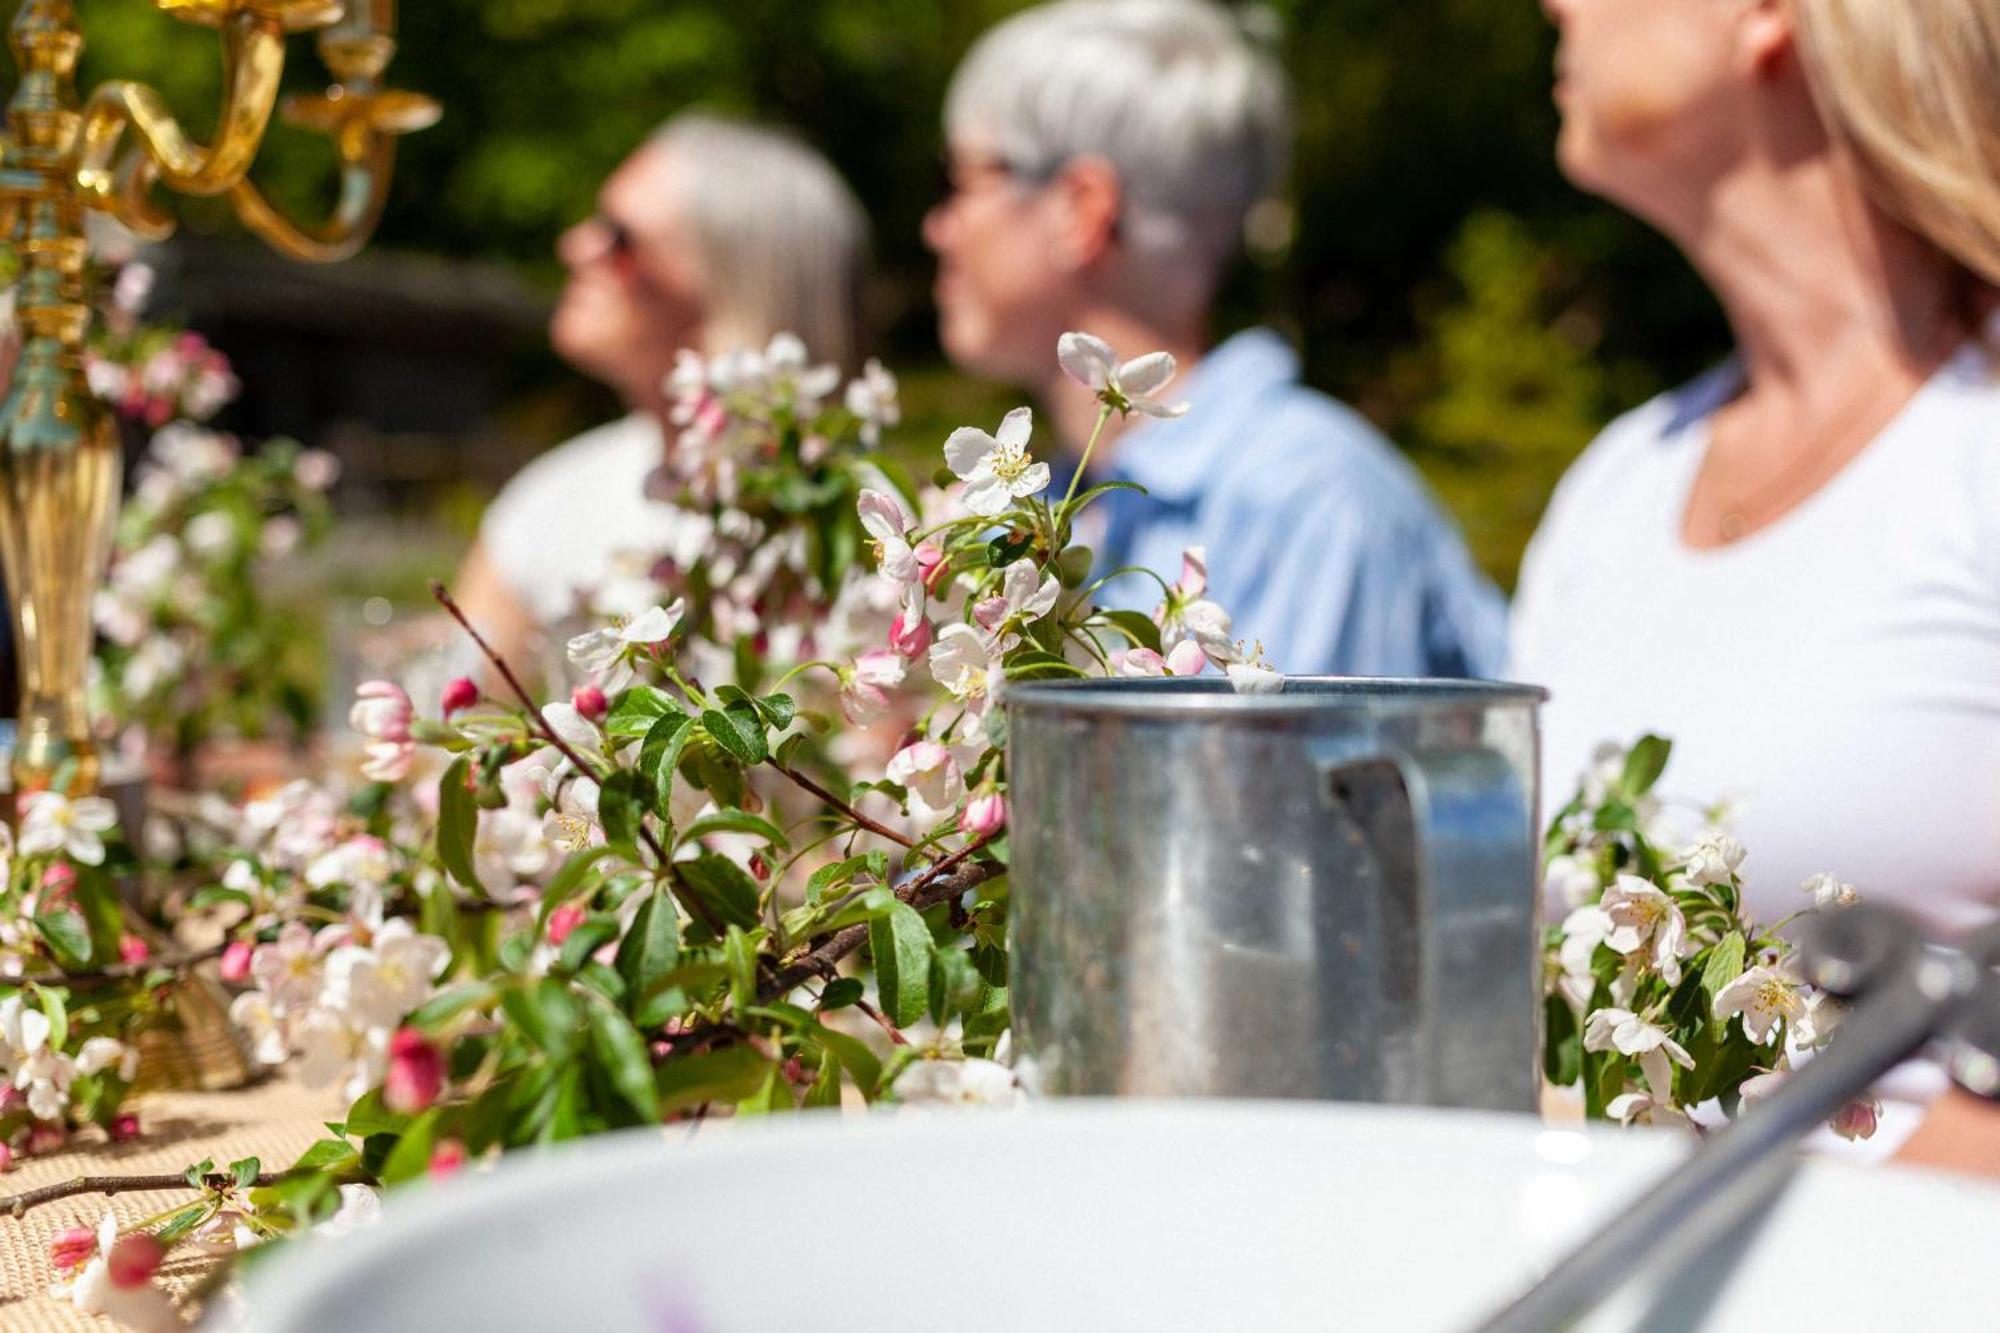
(1322,540)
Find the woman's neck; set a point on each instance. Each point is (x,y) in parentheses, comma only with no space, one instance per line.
(1820,287)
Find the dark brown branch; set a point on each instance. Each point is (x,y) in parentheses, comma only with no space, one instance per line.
(176,963)
(548,733)
(941,882)
(846,810)
(17,1204)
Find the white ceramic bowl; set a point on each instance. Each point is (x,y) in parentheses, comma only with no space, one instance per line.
(1110,1215)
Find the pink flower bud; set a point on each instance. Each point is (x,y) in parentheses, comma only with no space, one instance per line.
(910,635)
(72,1248)
(564,920)
(135,1258)
(590,701)
(57,880)
(446,1159)
(132,949)
(236,962)
(416,1073)
(382,711)
(461,693)
(795,1072)
(985,815)
(1857,1119)
(990,612)
(6,1157)
(1187,659)
(125,1128)
(759,867)
(45,1138)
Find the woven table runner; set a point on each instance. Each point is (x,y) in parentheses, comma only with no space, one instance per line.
(274,1121)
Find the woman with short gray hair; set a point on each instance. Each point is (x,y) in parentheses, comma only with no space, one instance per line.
(1106,157)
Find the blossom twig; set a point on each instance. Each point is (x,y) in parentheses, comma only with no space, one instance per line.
(843,807)
(17,1204)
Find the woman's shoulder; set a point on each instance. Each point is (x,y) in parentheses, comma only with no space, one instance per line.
(1629,455)
(608,460)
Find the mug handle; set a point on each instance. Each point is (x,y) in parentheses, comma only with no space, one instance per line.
(1453,832)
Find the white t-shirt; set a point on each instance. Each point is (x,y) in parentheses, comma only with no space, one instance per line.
(553,530)
(1835,676)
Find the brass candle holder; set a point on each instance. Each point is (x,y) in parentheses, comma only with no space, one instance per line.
(59,453)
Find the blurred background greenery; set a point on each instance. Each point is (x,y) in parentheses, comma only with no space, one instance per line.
(1441,276)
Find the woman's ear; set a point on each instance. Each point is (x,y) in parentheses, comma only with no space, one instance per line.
(1090,197)
(1768,34)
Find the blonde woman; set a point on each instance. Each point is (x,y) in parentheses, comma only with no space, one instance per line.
(713,236)
(1792,565)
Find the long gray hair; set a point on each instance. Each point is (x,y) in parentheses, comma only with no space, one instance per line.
(782,241)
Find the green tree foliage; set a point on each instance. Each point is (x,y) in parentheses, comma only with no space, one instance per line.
(1442,275)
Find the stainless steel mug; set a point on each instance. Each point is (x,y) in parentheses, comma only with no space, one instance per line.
(1329,891)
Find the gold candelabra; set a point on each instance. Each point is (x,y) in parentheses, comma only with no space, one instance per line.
(59,453)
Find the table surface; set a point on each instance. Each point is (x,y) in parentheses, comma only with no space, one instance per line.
(274,1121)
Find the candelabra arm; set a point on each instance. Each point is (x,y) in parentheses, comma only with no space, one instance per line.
(116,176)
(364,187)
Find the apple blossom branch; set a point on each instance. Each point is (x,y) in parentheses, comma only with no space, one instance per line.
(16,1204)
(843,808)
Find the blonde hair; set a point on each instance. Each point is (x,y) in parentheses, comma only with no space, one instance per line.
(1910,89)
(782,241)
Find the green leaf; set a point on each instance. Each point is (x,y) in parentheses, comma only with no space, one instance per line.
(369,1117)
(458,822)
(245,1171)
(721,888)
(842,873)
(1562,1045)
(450,1002)
(179,1223)
(1644,763)
(778,710)
(638,711)
(901,943)
(660,756)
(411,1156)
(739,730)
(727,1075)
(68,937)
(740,957)
(772,1096)
(652,945)
(571,878)
(590,935)
(621,803)
(196,1174)
(1725,964)
(324,1154)
(623,1055)
(57,1012)
(737,821)
(824,1094)
(861,1063)
(546,1014)
(1136,626)
(1034,664)
(840,993)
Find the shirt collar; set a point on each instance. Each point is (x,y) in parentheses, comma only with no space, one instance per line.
(1176,459)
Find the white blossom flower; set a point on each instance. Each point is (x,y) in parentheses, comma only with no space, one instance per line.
(1713,860)
(360,1206)
(871,397)
(962,662)
(931,774)
(287,970)
(884,520)
(333,1048)
(1026,594)
(380,985)
(1570,880)
(354,862)
(1254,675)
(316,470)
(1646,920)
(140,1306)
(1766,996)
(605,653)
(1627,1033)
(52,822)
(1130,387)
(211,535)
(864,686)
(1829,890)
(509,850)
(101,1053)
(1641,1108)
(262,1028)
(997,469)
(969,1082)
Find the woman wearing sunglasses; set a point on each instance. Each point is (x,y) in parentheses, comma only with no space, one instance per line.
(712,236)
